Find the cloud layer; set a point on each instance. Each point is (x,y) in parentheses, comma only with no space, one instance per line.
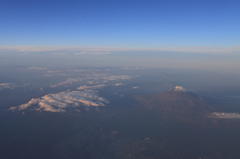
(89,81)
(36,68)
(7,86)
(93,79)
(224,115)
(61,101)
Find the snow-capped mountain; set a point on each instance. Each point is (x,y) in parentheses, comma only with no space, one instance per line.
(178,103)
(178,89)
(178,94)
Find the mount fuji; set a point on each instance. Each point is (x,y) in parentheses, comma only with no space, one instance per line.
(178,103)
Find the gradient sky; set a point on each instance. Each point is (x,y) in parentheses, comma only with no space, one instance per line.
(182,34)
(120,23)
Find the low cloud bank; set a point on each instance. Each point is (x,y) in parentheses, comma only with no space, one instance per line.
(60,101)
(94,79)
(7,86)
(224,115)
(91,87)
(85,95)
(11,86)
(36,68)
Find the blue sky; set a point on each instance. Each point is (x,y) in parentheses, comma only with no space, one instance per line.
(185,34)
(120,23)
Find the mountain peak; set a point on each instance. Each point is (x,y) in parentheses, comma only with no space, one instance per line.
(178,89)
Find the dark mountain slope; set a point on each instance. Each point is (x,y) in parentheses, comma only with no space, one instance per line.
(178,103)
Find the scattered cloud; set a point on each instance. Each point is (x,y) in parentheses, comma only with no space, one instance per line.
(36,68)
(61,101)
(118,77)
(68,81)
(58,53)
(135,87)
(91,87)
(7,86)
(11,85)
(85,95)
(119,84)
(224,115)
(93,79)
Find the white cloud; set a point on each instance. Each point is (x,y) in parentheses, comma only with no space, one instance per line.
(117,77)
(87,97)
(68,81)
(119,84)
(60,101)
(224,115)
(36,68)
(7,86)
(91,87)
(93,79)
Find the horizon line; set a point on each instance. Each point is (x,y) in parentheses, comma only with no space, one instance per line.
(75,49)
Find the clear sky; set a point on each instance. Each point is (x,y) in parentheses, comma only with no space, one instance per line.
(195,34)
(120,23)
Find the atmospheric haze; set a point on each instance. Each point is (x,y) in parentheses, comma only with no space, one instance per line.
(119,79)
